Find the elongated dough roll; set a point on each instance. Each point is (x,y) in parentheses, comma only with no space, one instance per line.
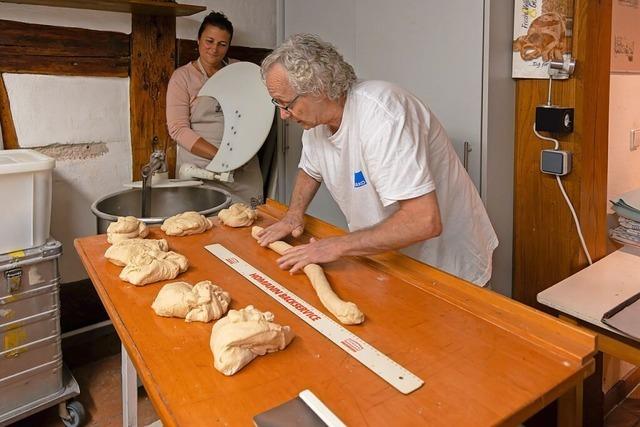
(346,312)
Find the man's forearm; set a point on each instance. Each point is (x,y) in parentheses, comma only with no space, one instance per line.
(415,220)
(303,191)
(408,225)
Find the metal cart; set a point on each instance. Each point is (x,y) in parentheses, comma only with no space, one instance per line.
(32,375)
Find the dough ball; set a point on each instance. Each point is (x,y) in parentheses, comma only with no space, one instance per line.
(186,223)
(121,252)
(243,335)
(211,302)
(238,215)
(174,300)
(200,303)
(127,227)
(153,266)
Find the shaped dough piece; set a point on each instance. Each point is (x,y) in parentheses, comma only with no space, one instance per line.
(346,312)
(211,302)
(127,227)
(153,266)
(174,300)
(243,335)
(200,303)
(185,224)
(121,252)
(238,215)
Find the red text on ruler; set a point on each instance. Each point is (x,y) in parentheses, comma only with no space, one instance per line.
(275,289)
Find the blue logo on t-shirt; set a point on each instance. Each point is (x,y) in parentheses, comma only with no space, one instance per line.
(358,179)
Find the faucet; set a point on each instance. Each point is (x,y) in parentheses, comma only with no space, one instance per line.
(157,163)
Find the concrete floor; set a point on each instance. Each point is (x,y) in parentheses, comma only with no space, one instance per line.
(100,394)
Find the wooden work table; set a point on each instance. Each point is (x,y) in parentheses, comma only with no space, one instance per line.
(485,359)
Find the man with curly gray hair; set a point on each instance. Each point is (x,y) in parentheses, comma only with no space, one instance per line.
(385,159)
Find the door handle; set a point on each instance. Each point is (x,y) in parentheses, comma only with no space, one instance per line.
(465,156)
(285,137)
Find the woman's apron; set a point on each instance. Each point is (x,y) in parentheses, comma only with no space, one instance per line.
(207,121)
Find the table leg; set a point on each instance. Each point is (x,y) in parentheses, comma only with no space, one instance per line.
(129,392)
(570,407)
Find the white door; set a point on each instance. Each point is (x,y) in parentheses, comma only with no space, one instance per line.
(433,48)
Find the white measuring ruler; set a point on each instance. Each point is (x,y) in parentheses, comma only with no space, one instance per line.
(356,347)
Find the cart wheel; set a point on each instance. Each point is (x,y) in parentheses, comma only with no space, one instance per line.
(77,415)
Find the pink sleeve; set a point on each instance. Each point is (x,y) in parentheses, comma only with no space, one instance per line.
(178,111)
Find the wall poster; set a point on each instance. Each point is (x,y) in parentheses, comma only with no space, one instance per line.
(625,36)
(541,32)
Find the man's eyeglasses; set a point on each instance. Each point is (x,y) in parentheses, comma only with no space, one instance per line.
(285,107)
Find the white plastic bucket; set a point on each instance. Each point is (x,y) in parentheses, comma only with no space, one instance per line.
(25,194)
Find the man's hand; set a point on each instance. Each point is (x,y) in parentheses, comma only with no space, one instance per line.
(293,221)
(289,224)
(315,252)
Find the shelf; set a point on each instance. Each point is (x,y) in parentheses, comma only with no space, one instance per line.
(144,7)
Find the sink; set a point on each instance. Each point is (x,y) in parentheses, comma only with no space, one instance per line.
(165,202)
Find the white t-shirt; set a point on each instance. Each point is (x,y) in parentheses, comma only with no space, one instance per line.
(390,147)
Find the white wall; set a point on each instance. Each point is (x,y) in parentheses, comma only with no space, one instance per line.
(75,110)
(254,21)
(79,110)
(624,115)
(68,109)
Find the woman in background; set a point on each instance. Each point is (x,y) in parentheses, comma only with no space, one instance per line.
(197,124)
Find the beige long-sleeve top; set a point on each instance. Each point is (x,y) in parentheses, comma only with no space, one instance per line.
(182,91)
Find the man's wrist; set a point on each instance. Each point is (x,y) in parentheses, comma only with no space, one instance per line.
(295,216)
(342,246)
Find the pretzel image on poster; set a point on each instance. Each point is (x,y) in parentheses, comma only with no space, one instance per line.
(545,38)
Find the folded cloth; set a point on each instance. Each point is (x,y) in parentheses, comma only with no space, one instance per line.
(629,223)
(622,203)
(631,231)
(621,235)
(625,210)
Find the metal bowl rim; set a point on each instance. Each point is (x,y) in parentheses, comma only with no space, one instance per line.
(157,220)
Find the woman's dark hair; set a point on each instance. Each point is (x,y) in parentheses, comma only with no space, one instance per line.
(216,19)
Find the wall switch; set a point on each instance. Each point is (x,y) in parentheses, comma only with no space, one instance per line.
(634,141)
(555,162)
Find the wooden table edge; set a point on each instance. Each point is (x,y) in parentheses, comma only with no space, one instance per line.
(145,374)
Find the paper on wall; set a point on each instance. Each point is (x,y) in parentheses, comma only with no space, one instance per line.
(541,32)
